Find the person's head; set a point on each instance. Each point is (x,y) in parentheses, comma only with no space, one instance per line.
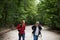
(37,23)
(23,21)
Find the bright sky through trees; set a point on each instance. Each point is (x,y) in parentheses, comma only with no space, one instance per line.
(37,1)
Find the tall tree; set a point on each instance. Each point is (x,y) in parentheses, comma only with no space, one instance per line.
(50,11)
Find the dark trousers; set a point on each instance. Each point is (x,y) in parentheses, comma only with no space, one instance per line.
(22,35)
(35,37)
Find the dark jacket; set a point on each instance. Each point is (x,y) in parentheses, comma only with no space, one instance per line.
(34,29)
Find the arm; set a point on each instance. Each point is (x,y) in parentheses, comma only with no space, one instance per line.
(40,28)
(18,27)
(23,25)
(32,27)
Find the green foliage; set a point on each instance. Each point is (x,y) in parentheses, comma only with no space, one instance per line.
(49,11)
(13,11)
(46,11)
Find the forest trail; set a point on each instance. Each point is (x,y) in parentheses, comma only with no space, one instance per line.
(46,35)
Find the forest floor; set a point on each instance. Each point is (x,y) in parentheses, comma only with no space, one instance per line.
(4,30)
(46,35)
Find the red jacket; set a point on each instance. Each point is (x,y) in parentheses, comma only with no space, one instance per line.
(21,29)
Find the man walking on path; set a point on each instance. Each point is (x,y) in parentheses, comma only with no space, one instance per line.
(21,30)
(36,30)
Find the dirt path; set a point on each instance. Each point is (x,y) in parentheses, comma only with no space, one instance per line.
(46,35)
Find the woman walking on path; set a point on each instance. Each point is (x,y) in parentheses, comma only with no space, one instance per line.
(21,30)
(36,30)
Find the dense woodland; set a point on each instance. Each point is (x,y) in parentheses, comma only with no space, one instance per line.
(47,12)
